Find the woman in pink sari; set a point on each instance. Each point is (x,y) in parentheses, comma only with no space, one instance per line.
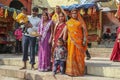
(45,31)
(116,49)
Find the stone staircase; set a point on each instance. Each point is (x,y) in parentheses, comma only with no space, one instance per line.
(98,68)
(100,52)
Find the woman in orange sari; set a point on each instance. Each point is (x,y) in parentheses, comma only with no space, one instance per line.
(77,45)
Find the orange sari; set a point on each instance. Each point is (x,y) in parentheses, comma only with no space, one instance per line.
(75,65)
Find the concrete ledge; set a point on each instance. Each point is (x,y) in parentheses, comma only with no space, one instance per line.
(12,71)
(103,67)
(95,66)
(16,62)
(9,78)
(100,52)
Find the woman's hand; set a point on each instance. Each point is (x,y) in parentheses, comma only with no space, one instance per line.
(50,41)
(84,43)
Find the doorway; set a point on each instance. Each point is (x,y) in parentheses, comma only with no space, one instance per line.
(16,4)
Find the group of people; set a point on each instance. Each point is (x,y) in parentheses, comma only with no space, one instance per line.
(62,40)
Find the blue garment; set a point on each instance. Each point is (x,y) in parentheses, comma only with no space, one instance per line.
(27,42)
(62,66)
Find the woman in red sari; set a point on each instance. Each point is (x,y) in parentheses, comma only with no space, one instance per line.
(58,30)
(116,49)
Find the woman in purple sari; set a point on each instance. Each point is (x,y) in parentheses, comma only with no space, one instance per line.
(45,31)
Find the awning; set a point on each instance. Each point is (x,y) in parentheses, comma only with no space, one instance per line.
(78,6)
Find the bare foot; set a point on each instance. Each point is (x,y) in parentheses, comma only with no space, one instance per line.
(22,68)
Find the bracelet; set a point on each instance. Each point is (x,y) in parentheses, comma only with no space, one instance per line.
(65,41)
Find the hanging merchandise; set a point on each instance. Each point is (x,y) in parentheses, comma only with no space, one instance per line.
(94,10)
(6,13)
(1,12)
(118,13)
(89,11)
(82,12)
(14,15)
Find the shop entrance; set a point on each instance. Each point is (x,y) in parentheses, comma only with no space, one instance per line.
(16,4)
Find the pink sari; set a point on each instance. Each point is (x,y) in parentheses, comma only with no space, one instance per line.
(44,49)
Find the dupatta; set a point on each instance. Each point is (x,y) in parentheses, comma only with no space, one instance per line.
(43,29)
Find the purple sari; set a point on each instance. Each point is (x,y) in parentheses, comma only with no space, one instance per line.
(44,49)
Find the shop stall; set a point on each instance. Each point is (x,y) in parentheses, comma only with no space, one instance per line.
(7,40)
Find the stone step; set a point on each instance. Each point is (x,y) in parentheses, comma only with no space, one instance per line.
(12,71)
(15,73)
(14,60)
(96,66)
(9,78)
(103,67)
(100,52)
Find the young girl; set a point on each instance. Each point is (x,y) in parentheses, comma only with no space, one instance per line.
(18,35)
(60,54)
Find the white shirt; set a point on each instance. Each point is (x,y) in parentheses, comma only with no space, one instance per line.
(34,21)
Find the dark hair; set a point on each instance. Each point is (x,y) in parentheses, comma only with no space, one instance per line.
(61,13)
(35,9)
(74,9)
(61,40)
(23,8)
(117,28)
(44,12)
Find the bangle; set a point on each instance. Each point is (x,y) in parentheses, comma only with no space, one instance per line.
(65,41)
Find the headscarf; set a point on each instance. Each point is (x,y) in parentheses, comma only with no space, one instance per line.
(43,30)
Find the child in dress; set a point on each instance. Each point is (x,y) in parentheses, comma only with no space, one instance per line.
(60,55)
(18,35)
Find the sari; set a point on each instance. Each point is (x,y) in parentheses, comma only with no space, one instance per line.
(55,18)
(115,56)
(44,49)
(75,64)
(58,32)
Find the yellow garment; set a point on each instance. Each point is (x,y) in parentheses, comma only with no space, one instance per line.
(6,13)
(75,65)
(22,18)
(82,12)
(14,15)
(89,11)
(55,17)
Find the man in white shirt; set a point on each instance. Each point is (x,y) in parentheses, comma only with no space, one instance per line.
(29,40)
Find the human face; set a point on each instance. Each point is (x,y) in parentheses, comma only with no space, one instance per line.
(61,17)
(67,12)
(58,10)
(34,13)
(74,14)
(24,11)
(45,16)
(59,43)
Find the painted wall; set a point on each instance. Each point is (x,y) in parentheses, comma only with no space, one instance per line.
(26,3)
